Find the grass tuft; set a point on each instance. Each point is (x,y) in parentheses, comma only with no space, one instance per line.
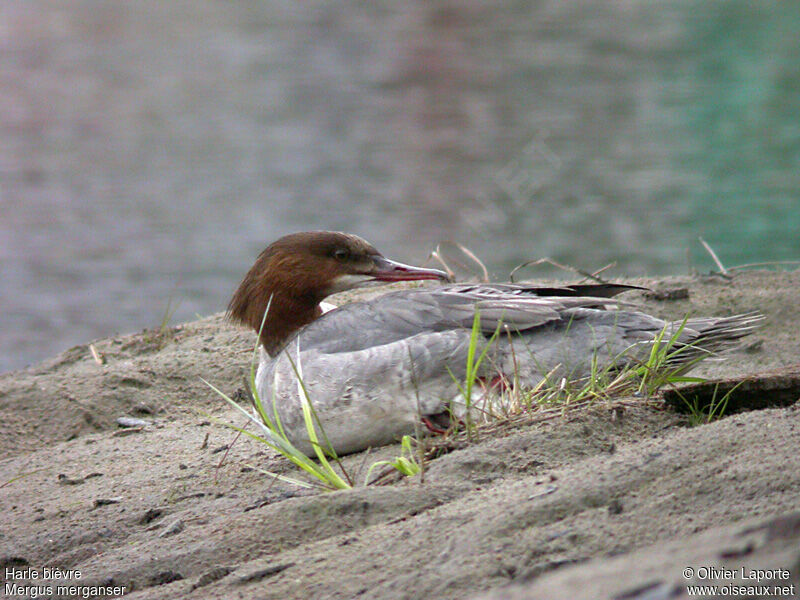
(705,413)
(161,335)
(405,464)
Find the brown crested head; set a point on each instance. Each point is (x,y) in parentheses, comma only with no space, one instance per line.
(295,273)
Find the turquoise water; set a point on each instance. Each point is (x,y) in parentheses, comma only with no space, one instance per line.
(743,118)
(149,150)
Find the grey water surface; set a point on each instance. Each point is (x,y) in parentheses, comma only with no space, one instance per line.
(150,149)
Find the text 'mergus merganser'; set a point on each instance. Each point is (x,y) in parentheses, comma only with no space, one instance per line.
(372,369)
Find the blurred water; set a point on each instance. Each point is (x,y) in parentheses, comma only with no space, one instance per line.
(150,149)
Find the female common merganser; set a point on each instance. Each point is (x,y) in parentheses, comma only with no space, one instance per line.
(372,369)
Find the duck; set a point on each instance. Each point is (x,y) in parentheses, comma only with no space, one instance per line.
(373,370)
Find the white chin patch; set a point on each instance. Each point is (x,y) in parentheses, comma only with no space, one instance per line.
(348,282)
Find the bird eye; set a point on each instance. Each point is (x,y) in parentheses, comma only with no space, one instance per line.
(340,254)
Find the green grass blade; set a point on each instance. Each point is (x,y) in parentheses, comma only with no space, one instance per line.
(283,478)
(276,442)
(308,418)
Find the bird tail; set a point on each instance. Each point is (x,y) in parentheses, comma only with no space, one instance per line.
(706,337)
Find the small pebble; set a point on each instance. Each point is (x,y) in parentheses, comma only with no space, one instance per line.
(107,501)
(173,528)
(64,480)
(132,422)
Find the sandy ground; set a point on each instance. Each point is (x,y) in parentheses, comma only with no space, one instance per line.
(607,502)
